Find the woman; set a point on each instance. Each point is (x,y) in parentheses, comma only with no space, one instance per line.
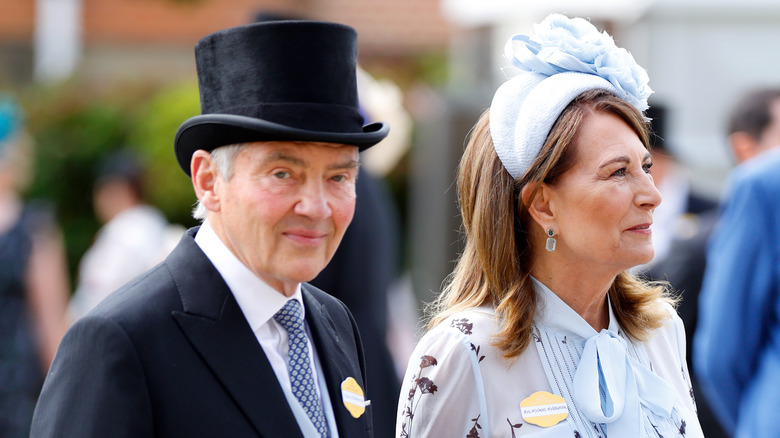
(33,283)
(541,331)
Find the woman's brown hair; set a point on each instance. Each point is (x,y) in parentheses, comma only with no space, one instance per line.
(494,268)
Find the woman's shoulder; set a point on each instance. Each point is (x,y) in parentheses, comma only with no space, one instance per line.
(474,323)
(673,324)
(668,340)
(459,333)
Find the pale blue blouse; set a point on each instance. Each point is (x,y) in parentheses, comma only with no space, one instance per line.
(458,384)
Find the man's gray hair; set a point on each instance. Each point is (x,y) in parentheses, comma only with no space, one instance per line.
(224,158)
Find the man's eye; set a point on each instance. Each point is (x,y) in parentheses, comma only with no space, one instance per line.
(282,174)
(339,178)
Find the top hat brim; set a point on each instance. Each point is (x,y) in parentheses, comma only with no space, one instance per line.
(210,131)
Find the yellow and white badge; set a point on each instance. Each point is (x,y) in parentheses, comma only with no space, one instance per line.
(353,397)
(544,409)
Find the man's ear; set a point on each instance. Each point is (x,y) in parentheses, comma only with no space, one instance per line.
(205,179)
(538,203)
(743,145)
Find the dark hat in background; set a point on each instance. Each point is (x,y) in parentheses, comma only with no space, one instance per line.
(277,81)
(657,115)
(123,165)
(270,15)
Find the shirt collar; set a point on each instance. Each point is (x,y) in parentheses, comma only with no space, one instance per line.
(258,301)
(554,313)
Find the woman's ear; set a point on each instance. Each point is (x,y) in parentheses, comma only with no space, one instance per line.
(205,179)
(536,197)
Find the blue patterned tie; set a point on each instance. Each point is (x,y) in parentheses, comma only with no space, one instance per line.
(301,376)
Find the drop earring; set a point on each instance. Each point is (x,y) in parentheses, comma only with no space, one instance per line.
(550,245)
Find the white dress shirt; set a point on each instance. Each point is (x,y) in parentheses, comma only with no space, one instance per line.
(259,302)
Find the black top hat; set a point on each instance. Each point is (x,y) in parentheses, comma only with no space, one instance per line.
(277,81)
(657,115)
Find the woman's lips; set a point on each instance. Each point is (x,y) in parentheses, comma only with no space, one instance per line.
(641,228)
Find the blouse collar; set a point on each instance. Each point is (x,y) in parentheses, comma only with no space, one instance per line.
(554,313)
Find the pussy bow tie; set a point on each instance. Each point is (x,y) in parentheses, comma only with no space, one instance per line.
(626,384)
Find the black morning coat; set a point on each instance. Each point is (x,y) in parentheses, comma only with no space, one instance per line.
(171,355)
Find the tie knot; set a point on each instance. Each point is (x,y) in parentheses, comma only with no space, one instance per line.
(290,316)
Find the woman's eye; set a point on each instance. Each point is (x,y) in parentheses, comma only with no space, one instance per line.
(619,172)
(647,167)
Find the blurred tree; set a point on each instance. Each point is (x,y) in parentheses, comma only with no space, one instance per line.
(75,126)
(170,189)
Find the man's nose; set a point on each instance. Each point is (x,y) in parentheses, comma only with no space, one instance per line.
(313,202)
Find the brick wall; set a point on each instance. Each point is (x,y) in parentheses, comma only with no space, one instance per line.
(383,25)
(16,20)
(156,37)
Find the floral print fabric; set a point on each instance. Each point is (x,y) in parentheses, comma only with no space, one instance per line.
(458,384)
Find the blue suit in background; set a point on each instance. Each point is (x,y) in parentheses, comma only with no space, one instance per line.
(737,342)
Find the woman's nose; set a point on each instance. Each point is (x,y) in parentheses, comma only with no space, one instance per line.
(647,194)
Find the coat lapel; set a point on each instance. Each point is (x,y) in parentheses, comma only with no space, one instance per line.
(215,326)
(336,363)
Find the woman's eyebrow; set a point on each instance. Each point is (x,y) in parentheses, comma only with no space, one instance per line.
(625,159)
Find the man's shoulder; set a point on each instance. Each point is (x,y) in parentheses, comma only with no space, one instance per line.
(148,294)
(323,298)
(321,303)
(763,170)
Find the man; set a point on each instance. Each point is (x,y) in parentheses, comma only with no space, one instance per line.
(135,235)
(210,342)
(737,342)
(682,223)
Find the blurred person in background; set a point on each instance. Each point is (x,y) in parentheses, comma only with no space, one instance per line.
(33,280)
(135,236)
(365,268)
(381,99)
(737,342)
(682,223)
(361,273)
(541,329)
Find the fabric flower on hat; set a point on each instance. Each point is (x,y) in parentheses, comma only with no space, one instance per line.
(561,60)
(561,44)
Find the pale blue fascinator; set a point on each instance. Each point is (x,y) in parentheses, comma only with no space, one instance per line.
(564,58)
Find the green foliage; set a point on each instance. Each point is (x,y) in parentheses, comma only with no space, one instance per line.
(75,127)
(433,68)
(153,134)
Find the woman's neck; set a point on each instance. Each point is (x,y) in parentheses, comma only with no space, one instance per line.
(584,290)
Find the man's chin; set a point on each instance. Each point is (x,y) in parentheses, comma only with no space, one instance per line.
(307,273)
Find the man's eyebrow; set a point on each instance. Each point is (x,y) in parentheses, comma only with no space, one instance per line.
(281,156)
(348,164)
